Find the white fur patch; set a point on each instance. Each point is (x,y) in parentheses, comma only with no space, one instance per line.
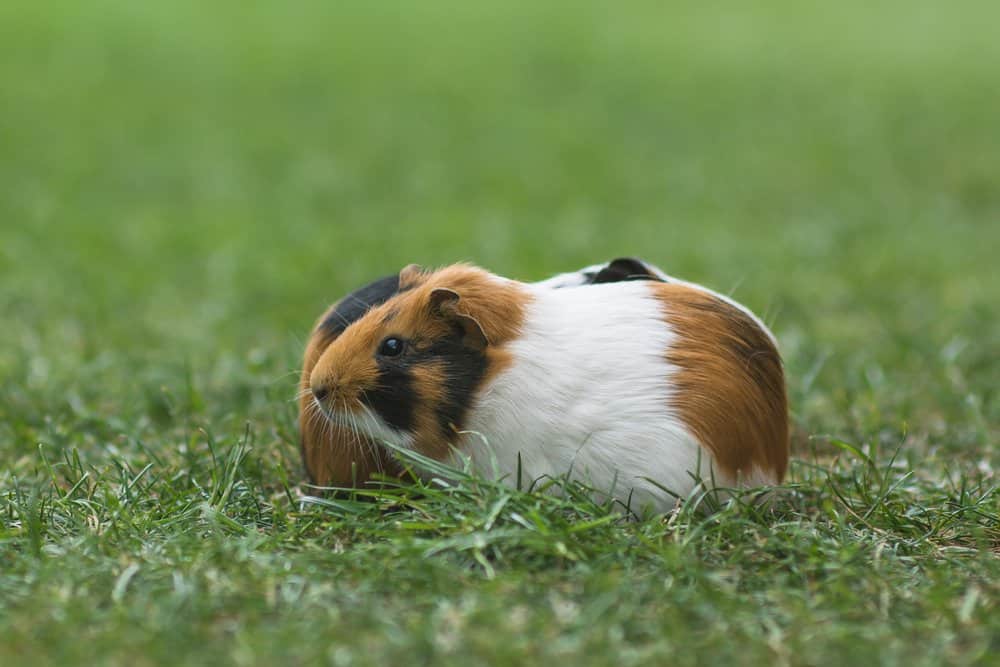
(575,279)
(582,277)
(368,422)
(589,393)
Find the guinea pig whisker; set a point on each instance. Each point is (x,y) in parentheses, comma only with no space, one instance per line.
(318,416)
(344,418)
(373,418)
(315,417)
(328,425)
(329,428)
(302,393)
(331,425)
(283,376)
(352,424)
(350,417)
(370,446)
(343,319)
(359,300)
(365,402)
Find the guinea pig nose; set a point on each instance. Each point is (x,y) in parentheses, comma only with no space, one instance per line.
(320,392)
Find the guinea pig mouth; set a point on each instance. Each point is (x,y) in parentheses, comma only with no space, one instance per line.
(363,421)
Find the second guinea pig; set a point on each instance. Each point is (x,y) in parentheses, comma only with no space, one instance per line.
(641,387)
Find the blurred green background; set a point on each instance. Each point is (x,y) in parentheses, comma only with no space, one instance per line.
(184,186)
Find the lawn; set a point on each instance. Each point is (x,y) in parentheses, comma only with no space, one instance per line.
(184,187)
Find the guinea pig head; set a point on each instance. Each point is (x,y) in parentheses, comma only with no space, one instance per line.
(333,454)
(409,370)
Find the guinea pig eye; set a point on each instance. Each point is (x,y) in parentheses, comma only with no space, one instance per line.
(391,347)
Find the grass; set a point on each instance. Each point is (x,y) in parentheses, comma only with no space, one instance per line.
(183,188)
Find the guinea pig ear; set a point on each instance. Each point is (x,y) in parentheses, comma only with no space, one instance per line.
(410,275)
(444,303)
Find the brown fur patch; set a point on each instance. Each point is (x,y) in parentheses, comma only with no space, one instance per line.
(730,385)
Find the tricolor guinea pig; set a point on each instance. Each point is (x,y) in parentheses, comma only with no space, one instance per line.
(335,454)
(641,387)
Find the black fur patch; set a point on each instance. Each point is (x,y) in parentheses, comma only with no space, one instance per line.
(624,268)
(352,307)
(464,369)
(395,399)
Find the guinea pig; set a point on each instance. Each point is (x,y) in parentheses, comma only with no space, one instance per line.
(334,453)
(643,388)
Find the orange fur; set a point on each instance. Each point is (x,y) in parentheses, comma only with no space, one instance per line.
(730,386)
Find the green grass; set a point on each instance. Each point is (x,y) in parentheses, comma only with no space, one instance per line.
(184,186)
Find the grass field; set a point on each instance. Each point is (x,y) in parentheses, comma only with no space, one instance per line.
(184,186)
